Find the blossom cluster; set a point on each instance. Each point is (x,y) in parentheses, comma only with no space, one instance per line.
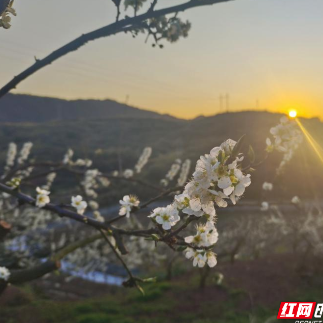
(90,182)
(286,138)
(79,204)
(4,273)
(217,178)
(128,203)
(170,29)
(5,19)
(42,197)
(166,216)
(171,174)
(185,169)
(24,153)
(11,156)
(267,186)
(143,159)
(93,178)
(20,160)
(128,173)
(50,180)
(67,160)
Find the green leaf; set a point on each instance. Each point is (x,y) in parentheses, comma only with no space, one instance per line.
(155,237)
(140,289)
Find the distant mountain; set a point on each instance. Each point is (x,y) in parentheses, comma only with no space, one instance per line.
(108,132)
(28,108)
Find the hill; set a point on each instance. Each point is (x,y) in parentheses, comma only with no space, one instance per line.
(28,108)
(122,136)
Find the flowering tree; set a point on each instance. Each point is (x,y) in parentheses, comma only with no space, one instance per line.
(303,229)
(38,227)
(33,228)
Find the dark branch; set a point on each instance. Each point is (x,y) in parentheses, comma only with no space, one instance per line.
(25,275)
(23,198)
(152,6)
(112,29)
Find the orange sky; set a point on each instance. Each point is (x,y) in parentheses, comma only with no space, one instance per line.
(266,54)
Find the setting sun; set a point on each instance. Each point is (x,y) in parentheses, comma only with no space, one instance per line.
(293,113)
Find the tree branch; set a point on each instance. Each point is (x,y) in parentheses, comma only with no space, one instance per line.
(153,5)
(25,275)
(112,29)
(23,198)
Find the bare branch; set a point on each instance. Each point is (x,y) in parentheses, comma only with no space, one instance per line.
(23,198)
(25,275)
(119,26)
(132,282)
(152,6)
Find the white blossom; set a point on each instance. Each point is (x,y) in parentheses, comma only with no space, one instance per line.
(68,156)
(219,279)
(235,184)
(42,197)
(264,206)
(127,204)
(214,180)
(90,182)
(11,155)
(206,235)
(286,138)
(4,273)
(50,179)
(143,159)
(296,200)
(166,216)
(24,153)
(94,205)
(184,172)
(173,171)
(201,257)
(128,173)
(83,162)
(78,203)
(98,216)
(5,19)
(104,181)
(267,186)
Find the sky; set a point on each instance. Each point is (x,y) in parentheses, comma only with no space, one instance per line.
(265,54)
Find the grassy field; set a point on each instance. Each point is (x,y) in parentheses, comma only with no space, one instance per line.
(251,292)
